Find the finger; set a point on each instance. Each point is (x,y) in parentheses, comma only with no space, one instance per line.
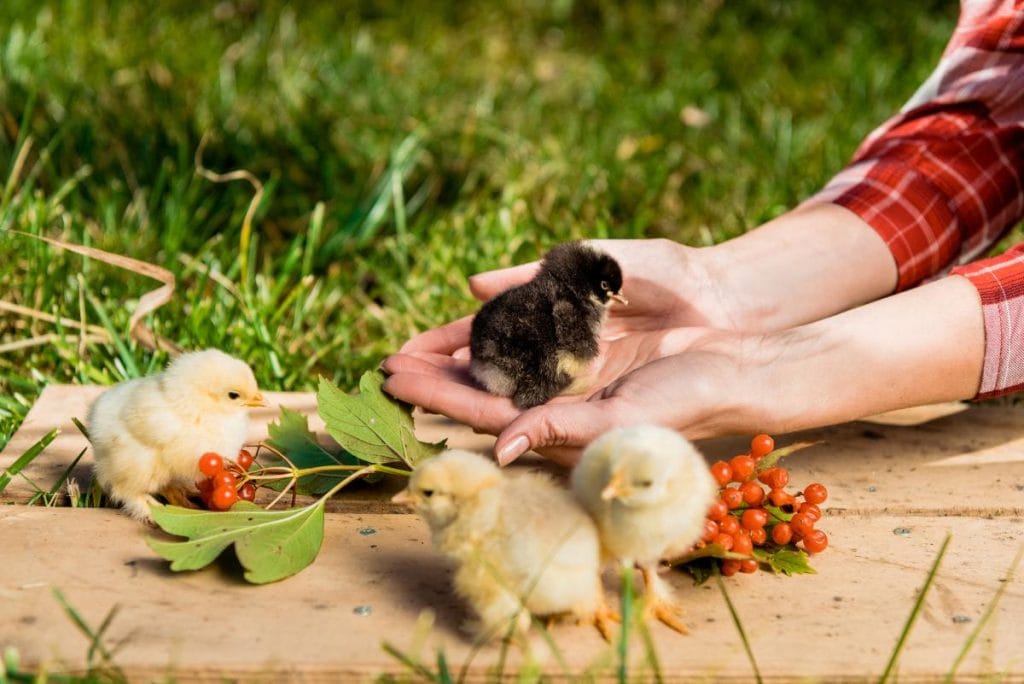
(555,425)
(442,340)
(488,285)
(462,403)
(435,365)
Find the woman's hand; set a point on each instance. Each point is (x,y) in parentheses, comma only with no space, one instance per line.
(921,346)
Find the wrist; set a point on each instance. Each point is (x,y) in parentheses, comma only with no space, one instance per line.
(806,265)
(922,346)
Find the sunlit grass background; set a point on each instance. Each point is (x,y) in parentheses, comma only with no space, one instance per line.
(404,146)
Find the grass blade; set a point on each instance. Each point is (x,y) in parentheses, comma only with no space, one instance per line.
(410,662)
(989,609)
(914,612)
(627,617)
(27,458)
(739,628)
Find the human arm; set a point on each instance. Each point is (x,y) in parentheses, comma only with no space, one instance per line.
(921,346)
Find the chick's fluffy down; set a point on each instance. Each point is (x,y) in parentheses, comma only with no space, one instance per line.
(148,434)
(517,540)
(661,493)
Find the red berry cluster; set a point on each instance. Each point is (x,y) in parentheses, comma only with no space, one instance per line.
(739,519)
(225,482)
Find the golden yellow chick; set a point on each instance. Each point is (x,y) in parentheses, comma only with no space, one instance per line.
(648,490)
(148,434)
(521,545)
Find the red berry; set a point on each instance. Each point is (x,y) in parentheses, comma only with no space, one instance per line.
(780,497)
(722,472)
(244,459)
(223,498)
(759,536)
(815,493)
(782,533)
(776,477)
(730,567)
(247,492)
(732,497)
(223,479)
(811,511)
(210,464)
(748,565)
(741,543)
(815,541)
(754,518)
(205,486)
(761,445)
(753,495)
(801,524)
(742,467)
(718,510)
(729,526)
(710,531)
(723,540)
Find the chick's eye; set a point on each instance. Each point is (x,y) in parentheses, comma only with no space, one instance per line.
(233,395)
(644,484)
(604,284)
(427,493)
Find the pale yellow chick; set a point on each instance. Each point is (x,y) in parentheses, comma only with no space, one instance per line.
(648,489)
(148,434)
(521,545)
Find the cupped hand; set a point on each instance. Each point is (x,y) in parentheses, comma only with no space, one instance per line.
(633,382)
(667,284)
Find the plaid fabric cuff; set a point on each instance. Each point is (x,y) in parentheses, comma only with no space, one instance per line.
(909,213)
(1000,282)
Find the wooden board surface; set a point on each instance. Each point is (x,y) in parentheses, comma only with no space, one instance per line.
(962,472)
(838,624)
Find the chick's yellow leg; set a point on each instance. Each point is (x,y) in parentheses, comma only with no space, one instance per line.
(177,496)
(658,601)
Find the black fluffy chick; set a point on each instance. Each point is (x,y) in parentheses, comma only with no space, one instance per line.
(532,341)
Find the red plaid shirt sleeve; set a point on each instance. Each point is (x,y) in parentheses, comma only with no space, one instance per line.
(942,180)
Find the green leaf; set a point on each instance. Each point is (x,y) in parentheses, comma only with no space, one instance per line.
(292,437)
(270,545)
(370,425)
(787,560)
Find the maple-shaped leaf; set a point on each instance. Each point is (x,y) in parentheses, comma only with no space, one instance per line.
(270,545)
(786,560)
(370,425)
(292,437)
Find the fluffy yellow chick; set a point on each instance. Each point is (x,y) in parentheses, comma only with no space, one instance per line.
(521,545)
(148,434)
(648,489)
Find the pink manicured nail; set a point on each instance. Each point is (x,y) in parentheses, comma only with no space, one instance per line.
(513,450)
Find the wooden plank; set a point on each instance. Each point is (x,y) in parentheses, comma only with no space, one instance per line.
(837,625)
(971,462)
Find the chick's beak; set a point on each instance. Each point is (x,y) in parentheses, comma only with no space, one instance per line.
(615,488)
(620,298)
(258,400)
(402,497)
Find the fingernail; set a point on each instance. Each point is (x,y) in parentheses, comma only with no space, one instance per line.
(513,450)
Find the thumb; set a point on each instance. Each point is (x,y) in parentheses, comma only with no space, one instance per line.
(490,284)
(573,424)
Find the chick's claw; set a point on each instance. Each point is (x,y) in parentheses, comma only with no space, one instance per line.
(659,603)
(177,496)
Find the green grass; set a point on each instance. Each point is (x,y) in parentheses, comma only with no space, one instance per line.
(403,146)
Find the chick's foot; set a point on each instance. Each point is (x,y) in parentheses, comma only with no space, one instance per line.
(177,496)
(659,603)
(604,618)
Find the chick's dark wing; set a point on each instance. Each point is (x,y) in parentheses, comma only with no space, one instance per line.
(517,324)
